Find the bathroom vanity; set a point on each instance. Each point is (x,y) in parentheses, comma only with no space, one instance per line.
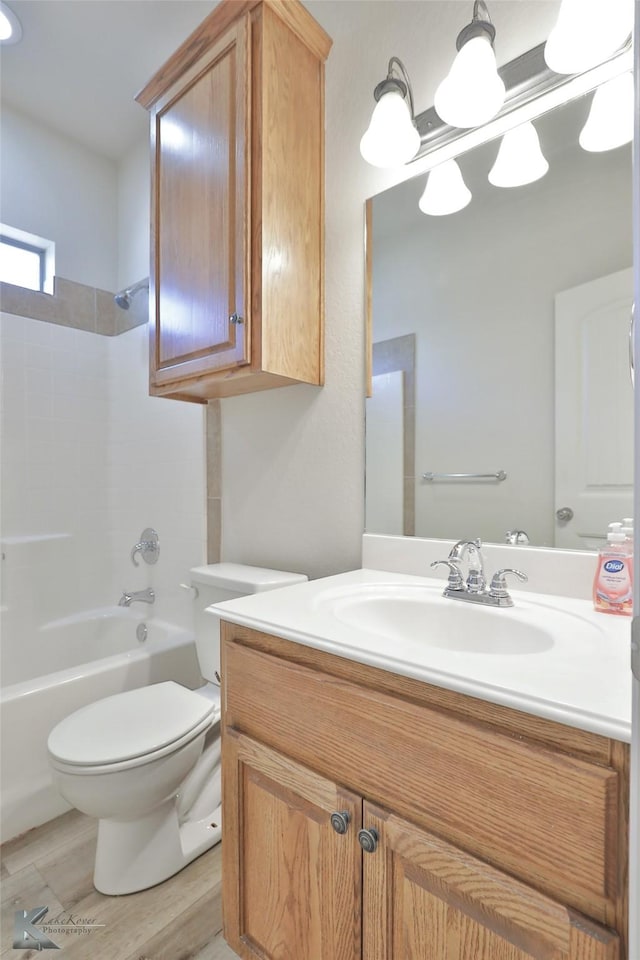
(371,812)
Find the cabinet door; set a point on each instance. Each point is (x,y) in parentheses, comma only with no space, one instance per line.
(198,275)
(292,884)
(424,898)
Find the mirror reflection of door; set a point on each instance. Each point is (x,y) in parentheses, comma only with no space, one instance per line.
(390,438)
(594,409)
(384,454)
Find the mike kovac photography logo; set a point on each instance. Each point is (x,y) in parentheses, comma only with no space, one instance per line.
(28,936)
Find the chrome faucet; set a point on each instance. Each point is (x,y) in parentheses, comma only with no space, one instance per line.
(138,596)
(474,588)
(476,580)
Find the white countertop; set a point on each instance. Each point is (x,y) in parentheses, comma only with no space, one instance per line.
(584,684)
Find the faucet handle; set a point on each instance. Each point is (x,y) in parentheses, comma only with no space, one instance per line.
(498,586)
(147,546)
(455,574)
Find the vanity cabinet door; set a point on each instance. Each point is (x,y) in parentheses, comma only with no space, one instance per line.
(292,882)
(423,897)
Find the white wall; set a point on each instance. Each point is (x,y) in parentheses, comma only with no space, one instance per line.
(56,188)
(134,194)
(293,458)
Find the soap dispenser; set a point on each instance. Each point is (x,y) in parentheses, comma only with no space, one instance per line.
(613,581)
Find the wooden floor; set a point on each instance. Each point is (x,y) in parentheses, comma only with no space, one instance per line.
(52,866)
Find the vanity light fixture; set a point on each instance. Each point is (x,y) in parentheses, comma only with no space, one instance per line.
(445,191)
(10,26)
(391,138)
(472,93)
(610,121)
(587,32)
(520,159)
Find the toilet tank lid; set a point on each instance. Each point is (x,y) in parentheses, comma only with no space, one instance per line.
(241,578)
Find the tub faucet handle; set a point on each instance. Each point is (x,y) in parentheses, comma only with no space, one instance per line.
(148,546)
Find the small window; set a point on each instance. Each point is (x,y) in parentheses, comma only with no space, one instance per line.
(26,260)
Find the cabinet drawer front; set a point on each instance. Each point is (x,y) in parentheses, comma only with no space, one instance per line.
(543,816)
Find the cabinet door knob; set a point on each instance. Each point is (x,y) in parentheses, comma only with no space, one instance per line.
(234,318)
(340,821)
(368,840)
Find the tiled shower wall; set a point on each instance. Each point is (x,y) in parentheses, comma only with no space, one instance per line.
(88,461)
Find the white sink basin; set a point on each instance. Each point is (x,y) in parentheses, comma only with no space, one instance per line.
(420,615)
(550,656)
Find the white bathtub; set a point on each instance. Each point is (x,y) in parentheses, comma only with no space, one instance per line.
(101,656)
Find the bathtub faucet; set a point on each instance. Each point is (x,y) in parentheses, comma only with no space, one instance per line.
(143,596)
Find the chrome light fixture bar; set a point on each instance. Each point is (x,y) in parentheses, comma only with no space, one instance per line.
(532,90)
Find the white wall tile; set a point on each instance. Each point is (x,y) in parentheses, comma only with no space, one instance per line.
(87,453)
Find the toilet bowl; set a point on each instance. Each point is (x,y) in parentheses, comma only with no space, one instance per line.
(146,763)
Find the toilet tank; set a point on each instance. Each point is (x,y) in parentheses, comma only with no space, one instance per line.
(216,582)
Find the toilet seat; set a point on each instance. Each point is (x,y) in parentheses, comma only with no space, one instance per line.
(131,728)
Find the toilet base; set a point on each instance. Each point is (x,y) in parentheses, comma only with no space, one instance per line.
(137,854)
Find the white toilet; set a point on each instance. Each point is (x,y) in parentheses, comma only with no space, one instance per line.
(146,762)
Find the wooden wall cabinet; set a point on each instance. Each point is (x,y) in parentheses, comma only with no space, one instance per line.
(495,834)
(237,204)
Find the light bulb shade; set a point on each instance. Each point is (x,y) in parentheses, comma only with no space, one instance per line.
(520,159)
(610,121)
(391,138)
(587,33)
(472,93)
(445,191)
(10,26)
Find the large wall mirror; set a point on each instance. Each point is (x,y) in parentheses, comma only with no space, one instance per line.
(501,391)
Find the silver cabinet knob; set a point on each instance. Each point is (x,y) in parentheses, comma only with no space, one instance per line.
(564,514)
(340,821)
(368,840)
(235,318)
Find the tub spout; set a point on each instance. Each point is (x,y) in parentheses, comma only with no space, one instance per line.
(141,596)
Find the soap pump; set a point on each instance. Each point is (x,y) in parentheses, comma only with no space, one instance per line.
(613,581)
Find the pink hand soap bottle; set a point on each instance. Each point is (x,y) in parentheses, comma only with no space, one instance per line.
(613,582)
